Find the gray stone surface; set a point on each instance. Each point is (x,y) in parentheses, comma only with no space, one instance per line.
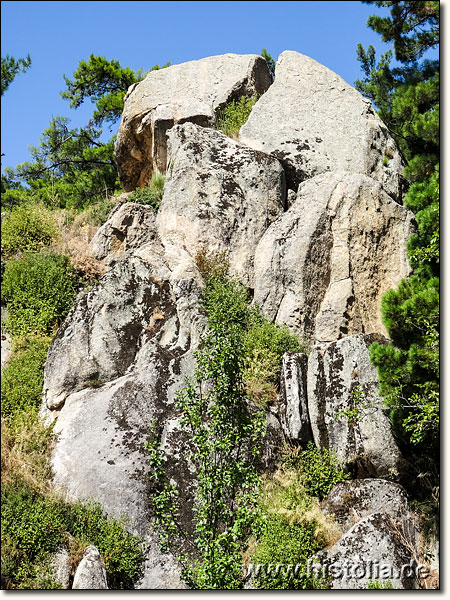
(5,341)
(195,91)
(219,195)
(351,501)
(91,572)
(293,399)
(337,376)
(314,122)
(129,226)
(323,266)
(60,568)
(372,550)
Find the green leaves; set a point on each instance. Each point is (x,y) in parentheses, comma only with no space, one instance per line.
(12,67)
(39,290)
(407,98)
(105,83)
(225,440)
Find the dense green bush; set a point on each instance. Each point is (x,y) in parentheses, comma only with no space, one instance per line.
(32,528)
(122,552)
(264,345)
(289,545)
(319,470)
(152,194)
(235,114)
(28,227)
(22,379)
(39,290)
(35,525)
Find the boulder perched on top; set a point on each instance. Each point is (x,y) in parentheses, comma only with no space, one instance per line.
(315,122)
(324,265)
(194,91)
(347,414)
(219,195)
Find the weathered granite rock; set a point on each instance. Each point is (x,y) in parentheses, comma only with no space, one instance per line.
(293,398)
(194,91)
(219,195)
(314,122)
(372,550)
(129,226)
(351,501)
(5,341)
(60,568)
(91,572)
(341,378)
(323,266)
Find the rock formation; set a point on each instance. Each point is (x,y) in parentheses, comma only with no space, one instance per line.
(315,123)
(195,91)
(317,257)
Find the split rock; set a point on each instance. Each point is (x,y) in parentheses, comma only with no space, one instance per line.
(194,91)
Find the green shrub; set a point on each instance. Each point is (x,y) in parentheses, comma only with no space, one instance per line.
(289,545)
(39,290)
(22,379)
(235,114)
(121,551)
(319,470)
(152,194)
(378,585)
(98,213)
(264,346)
(32,528)
(28,227)
(35,525)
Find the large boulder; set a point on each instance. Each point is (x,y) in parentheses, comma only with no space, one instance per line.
(324,265)
(373,550)
(129,226)
(195,91)
(351,501)
(347,414)
(219,195)
(314,122)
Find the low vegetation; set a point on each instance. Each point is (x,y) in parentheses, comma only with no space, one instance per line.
(39,290)
(292,526)
(152,194)
(236,512)
(234,115)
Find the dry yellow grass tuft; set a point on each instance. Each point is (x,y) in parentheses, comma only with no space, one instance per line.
(75,235)
(24,454)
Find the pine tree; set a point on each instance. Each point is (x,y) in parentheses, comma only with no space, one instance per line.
(407,98)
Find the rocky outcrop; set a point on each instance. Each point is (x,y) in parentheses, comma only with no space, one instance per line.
(129,226)
(219,195)
(293,398)
(91,572)
(318,260)
(195,91)
(372,550)
(314,122)
(324,265)
(347,414)
(351,501)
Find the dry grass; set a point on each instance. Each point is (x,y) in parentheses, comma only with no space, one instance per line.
(284,494)
(75,235)
(24,454)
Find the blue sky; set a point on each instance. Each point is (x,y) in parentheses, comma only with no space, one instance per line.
(57,35)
